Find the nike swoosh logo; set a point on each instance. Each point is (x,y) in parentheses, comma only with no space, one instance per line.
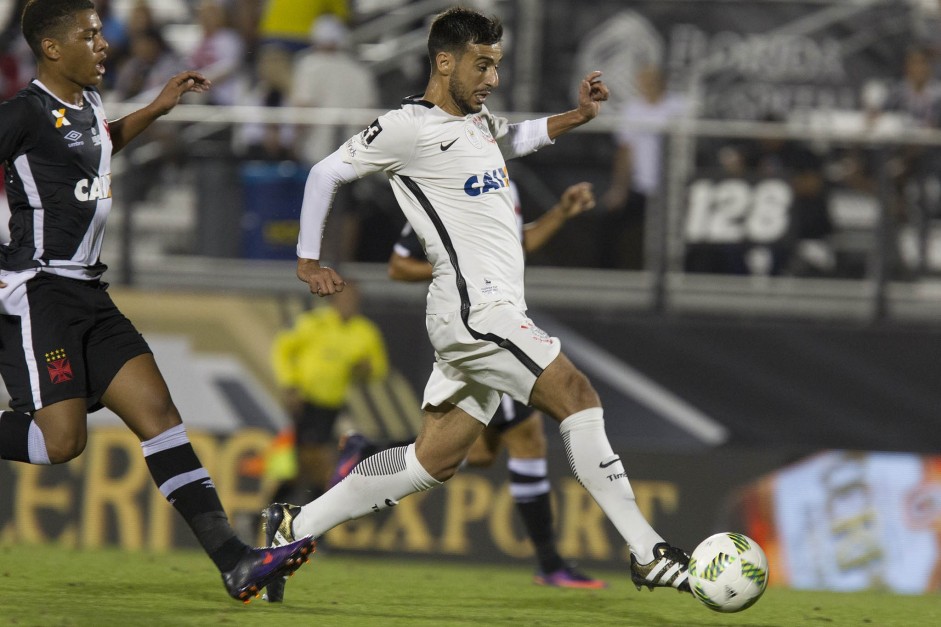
(604,465)
(268,558)
(445,146)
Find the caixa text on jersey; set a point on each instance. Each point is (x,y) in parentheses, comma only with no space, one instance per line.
(93,188)
(487,182)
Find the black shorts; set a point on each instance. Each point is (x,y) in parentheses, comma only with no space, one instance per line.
(315,424)
(509,414)
(62,338)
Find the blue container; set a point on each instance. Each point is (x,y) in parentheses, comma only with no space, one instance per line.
(272,193)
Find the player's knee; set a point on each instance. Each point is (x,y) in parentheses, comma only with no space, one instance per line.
(481,458)
(582,390)
(443,472)
(65,447)
(579,394)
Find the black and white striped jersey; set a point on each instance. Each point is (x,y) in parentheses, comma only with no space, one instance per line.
(57,161)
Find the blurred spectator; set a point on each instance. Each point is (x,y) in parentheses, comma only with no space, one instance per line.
(246,20)
(219,54)
(149,66)
(637,171)
(911,168)
(140,18)
(16,68)
(16,61)
(329,349)
(151,62)
(770,199)
(917,94)
(115,33)
(803,170)
(288,22)
(268,86)
(318,72)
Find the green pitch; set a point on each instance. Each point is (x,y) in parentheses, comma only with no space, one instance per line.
(49,587)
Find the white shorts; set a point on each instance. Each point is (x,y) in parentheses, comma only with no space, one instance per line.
(496,350)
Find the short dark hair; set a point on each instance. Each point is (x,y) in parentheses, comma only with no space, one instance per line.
(48,18)
(457,27)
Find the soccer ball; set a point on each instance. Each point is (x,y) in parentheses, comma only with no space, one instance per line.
(728,572)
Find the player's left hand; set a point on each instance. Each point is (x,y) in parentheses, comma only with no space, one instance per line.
(180,84)
(591,93)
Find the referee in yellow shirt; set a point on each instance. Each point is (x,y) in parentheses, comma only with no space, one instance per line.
(329,348)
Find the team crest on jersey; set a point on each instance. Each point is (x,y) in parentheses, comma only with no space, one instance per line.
(483,128)
(60,370)
(537,334)
(61,120)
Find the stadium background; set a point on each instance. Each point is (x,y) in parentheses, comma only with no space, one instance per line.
(799,407)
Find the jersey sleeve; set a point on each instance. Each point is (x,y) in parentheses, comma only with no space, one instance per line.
(14,127)
(521,139)
(386,145)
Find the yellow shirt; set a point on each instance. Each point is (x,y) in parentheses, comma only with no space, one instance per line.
(319,355)
(292,19)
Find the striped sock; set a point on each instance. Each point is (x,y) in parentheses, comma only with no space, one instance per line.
(378,482)
(184,482)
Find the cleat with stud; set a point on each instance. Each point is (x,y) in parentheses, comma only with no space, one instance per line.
(260,566)
(667,569)
(277,523)
(568,577)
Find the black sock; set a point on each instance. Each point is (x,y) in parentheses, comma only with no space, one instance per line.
(529,484)
(14,436)
(536,513)
(186,484)
(18,435)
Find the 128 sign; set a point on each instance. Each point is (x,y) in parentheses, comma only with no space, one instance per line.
(737,211)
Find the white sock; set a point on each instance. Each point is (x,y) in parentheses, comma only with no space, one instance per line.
(600,471)
(36,445)
(376,483)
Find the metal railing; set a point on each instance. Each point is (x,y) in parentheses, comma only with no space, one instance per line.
(664,287)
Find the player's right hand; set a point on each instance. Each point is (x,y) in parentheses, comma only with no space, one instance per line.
(577,199)
(322,281)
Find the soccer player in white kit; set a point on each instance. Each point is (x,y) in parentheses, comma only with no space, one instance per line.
(444,154)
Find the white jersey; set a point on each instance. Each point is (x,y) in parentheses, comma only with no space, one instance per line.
(450,179)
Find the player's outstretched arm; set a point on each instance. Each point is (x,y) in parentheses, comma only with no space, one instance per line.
(591,93)
(123,130)
(576,199)
(409,269)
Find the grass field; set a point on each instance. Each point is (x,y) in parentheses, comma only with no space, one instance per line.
(48,587)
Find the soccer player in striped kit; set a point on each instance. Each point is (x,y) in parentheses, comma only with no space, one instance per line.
(65,348)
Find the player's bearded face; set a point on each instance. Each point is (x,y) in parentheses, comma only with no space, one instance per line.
(475,76)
